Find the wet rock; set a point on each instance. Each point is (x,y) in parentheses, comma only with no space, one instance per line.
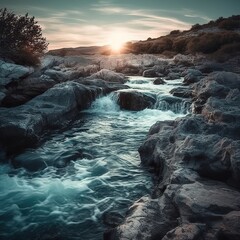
(158,81)
(149,73)
(175,104)
(181,92)
(134,101)
(173,76)
(23,125)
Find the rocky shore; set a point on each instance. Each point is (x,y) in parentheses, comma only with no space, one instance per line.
(195,159)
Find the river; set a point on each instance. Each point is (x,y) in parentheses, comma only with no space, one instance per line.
(92,171)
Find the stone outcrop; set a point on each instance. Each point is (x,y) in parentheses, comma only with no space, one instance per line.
(134,100)
(22,126)
(196,161)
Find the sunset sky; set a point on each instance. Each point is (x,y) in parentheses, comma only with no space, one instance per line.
(73,23)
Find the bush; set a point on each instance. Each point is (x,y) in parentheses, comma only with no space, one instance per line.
(229,24)
(20,38)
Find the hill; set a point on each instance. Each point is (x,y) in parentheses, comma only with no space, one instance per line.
(217,39)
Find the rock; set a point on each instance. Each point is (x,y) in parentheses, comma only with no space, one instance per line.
(58,76)
(206,202)
(186,232)
(23,125)
(109,76)
(107,87)
(34,162)
(230,226)
(10,72)
(159,81)
(182,92)
(25,90)
(2,96)
(149,73)
(134,101)
(209,67)
(173,76)
(197,167)
(139,224)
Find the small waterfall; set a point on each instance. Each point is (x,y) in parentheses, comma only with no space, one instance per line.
(174,104)
(106,104)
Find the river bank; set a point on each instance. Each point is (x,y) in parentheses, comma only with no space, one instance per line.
(194,158)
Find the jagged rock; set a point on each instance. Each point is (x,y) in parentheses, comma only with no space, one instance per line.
(230,226)
(173,76)
(181,92)
(134,101)
(186,232)
(109,76)
(58,76)
(149,73)
(140,225)
(21,126)
(191,76)
(206,201)
(196,158)
(159,81)
(25,90)
(209,67)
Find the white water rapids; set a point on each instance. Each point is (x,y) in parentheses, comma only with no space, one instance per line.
(93,168)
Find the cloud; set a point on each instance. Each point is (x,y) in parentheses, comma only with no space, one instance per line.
(73,28)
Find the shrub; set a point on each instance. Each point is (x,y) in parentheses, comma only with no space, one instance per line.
(20,38)
(229,24)
(179,46)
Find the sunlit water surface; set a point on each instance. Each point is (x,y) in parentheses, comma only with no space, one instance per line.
(103,174)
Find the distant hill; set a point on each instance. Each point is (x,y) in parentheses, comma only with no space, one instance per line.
(92,50)
(218,39)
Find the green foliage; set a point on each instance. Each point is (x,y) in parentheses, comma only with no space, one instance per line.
(20,38)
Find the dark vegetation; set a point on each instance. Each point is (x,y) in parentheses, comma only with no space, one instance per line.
(217,39)
(21,38)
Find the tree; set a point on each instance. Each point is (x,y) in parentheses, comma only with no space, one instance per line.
(21,38)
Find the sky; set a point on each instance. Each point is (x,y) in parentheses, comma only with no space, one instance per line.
(74,23)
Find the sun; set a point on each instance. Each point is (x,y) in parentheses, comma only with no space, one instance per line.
(116,41)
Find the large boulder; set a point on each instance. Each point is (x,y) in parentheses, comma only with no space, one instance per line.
(150,73)
(109,76)
(25,90)
(23,125)
(135,101)
(181,92)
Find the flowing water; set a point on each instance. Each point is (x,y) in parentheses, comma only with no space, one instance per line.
(92,169)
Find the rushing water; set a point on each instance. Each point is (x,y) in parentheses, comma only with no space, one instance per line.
(93,169)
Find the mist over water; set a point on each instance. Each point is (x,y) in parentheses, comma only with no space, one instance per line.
(88,170)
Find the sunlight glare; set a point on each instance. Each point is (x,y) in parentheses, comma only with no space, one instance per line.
(117,41)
